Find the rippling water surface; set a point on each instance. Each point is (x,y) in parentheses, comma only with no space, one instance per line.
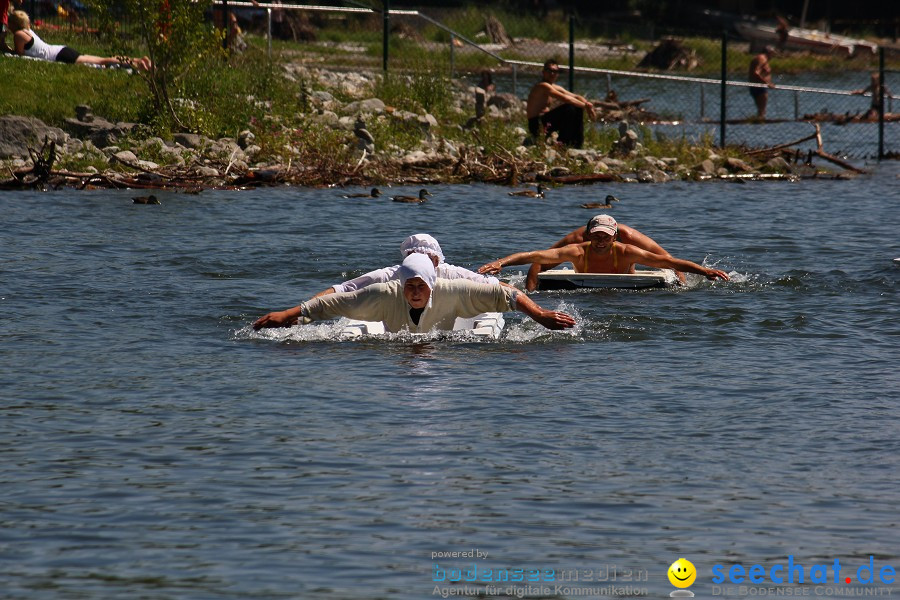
(153,446)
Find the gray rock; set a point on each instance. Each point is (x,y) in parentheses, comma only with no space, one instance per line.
(17,133)
(100,131)
(207,172)
(329,118)
(449,148)
(626,144)
(658,176)
(74,145)
(147,165)
(736,165)
(153,144)
(322,96)
(504,101)
(370,106)
(126,156)
(427,121)
(189,140)
(404,115)
(245,139)
(416,157)
(364,139)
(707,166)
(778,165)
(582,154)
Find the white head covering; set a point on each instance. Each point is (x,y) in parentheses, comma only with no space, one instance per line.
(418,265)
(422,243)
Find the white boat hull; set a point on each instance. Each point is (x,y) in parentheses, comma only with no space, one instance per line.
(567,279)
(803,39)
(486,326)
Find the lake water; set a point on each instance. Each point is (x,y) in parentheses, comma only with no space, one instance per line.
(153,446)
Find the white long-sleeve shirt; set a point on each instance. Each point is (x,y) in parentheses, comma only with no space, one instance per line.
(385,302)
(386,274)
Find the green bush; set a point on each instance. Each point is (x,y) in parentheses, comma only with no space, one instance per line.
(422,91)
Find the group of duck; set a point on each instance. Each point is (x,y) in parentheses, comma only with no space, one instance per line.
(539,192)
(376,193)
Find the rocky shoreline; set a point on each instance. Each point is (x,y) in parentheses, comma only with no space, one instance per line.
(128,157)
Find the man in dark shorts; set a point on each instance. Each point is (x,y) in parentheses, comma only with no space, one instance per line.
(761,72)
(553,108)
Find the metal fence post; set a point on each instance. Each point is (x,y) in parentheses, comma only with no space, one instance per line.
(515,73)
(452,54)
(796,105)
(572,52)
(386,25)
(225,24)
(880,104)
(722,104)
(269,31)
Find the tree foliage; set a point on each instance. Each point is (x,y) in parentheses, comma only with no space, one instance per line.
(181,43)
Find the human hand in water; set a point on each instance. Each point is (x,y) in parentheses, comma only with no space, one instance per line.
(491,268)
(552,319)
(281,318)
(713,274)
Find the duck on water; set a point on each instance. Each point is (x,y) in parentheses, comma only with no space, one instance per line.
(413,199)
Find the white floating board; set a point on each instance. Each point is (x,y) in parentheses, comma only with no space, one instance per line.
(486,325)
(567,279)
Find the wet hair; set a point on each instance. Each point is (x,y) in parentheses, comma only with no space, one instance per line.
(549,62)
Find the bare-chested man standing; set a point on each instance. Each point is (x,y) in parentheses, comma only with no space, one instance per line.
(553,108)
(761,72)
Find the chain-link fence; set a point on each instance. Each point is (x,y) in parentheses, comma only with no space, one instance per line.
(676,83)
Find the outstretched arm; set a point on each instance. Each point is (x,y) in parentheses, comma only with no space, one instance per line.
(280,318)
(531,280)
(548,318)
(665,261)
(543,257)
(645,242)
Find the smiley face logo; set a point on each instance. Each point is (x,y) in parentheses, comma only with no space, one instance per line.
(682,573)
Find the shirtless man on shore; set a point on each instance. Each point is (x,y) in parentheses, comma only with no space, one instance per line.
(566,117)
(625,234)
(601,253)
(760,71)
